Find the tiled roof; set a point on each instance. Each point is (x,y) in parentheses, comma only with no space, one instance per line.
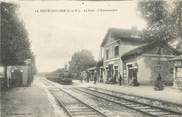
(148,46)
(176,58)
(123,34)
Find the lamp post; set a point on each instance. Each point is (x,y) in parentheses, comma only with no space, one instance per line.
(158,82)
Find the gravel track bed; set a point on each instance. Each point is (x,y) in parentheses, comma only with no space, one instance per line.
(109,108)
(153,102)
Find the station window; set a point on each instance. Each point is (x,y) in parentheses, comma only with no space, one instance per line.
(107,54)
(116,67)
(116,51)
(1,72)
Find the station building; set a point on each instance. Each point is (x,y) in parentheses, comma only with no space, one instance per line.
(177,71)
(125,53)
(17,76)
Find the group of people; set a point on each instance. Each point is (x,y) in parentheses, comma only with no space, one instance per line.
(158,84)
(86,76)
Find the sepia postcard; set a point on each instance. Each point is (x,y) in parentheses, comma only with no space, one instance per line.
(91,58)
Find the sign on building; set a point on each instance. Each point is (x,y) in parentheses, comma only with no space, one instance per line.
(178,63)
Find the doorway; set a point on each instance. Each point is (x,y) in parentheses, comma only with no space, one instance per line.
(132,73)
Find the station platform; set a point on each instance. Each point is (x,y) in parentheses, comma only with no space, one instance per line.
(33,101)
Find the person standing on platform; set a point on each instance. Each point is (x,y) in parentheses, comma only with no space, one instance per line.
(158,84)
(120,80)
(88,76)
(81,78)
(95,77)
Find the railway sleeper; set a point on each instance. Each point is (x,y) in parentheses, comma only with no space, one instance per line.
(129,97)
(81,108)
(152,109)
(73,103)
(80,111)
(75,106)
(134,105)
(143,107)
(170,116)
(159,113)
(104,97)
(86,114)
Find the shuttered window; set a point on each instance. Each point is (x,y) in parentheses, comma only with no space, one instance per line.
(107,54)
(116,51)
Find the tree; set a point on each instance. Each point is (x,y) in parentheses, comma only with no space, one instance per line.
(153,11)
(80,61)
(156,15)
(163,23)
(177,16)
(177,21)
(15,45)
(163,20)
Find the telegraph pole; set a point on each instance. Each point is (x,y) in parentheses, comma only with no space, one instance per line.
(0,47)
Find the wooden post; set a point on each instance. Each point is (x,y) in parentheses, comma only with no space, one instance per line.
(174,77)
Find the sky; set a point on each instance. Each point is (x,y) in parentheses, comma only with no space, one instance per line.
(56,35)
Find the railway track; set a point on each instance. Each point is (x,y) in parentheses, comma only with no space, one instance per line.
(155,102)
(72,105)
(147,109)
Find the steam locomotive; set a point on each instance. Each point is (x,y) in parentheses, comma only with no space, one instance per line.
(64,78)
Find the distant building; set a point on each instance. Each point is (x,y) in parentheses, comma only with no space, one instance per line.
(125,53)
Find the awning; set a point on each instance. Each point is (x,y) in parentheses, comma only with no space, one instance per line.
(176,58)
(92,68)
